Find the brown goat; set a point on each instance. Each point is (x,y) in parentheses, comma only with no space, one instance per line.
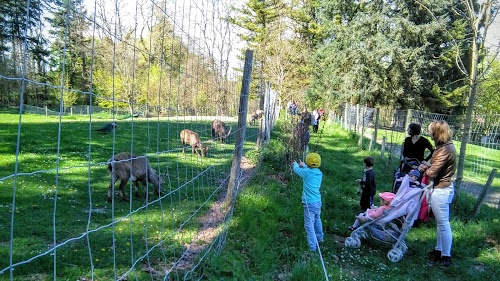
(219,130)
(125,166)
(256,115)
(191,138)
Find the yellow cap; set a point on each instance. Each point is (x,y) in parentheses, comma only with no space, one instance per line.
(313,160)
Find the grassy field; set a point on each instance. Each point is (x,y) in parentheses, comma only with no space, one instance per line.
(173,218)
(267,241)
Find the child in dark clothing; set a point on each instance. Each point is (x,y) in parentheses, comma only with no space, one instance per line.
(367,184)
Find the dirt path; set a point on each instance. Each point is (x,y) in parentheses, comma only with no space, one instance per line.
(212,220)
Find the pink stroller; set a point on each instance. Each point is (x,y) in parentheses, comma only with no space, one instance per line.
(395,223)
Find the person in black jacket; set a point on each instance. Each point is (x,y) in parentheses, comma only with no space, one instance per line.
(367,184)
(415,145)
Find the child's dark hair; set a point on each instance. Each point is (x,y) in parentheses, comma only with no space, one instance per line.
(369,161)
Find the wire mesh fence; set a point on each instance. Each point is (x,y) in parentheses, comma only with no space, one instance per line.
(158,85)
(388,126)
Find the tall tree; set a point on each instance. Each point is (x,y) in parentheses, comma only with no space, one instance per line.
(479,17)
(70,50)
(383,52)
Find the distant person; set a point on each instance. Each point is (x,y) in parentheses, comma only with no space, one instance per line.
(311,198)
(315,120)
(306,117)
(374,212)
(367,184)
(303,136)
(442,171)
(415,144)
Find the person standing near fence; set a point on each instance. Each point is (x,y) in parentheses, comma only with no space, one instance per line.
(367,186)
(415,145)
(311,198)
(315,120)
(441,170)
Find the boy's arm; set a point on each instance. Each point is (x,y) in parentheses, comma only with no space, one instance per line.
(299,171)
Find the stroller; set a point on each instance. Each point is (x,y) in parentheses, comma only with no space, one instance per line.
(395,223)
(406,165)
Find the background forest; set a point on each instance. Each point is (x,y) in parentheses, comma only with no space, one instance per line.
(401,53)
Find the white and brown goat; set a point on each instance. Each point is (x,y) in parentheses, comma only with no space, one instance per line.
(125,166)
(190,138)
(219,130)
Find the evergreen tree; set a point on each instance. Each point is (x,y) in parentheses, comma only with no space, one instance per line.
(71,48)
(384,52)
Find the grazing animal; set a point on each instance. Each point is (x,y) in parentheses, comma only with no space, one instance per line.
(137,170)
(219,130)
(108,127)
(191,138)
(257,115)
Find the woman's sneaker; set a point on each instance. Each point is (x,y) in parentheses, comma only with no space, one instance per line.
(445,261)
(434,257)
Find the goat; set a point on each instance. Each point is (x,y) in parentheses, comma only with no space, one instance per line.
(191,138)
(219,130)
(126,166)
(257,115)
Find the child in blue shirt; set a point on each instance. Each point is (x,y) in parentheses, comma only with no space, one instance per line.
(311,198)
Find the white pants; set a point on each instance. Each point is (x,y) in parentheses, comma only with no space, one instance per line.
(440,204)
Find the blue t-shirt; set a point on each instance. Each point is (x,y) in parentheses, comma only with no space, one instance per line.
(312,182)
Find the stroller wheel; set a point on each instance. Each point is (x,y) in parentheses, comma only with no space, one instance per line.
(394,255)
(362,234)
(352,242)
(401,247)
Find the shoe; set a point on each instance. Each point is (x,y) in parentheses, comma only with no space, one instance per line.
(445,261)
(352,228)
(434,257)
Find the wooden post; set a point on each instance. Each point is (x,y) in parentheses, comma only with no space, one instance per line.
(383,148)
(46,111)
(481,197)
(88,109)
(240,133)
(356,126)
(377,110)
(71,110)
(408,119)
(345,116)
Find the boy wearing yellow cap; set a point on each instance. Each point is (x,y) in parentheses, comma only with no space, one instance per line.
(311,198)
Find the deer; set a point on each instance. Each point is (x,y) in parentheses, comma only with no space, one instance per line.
(126,166)
(191,138)
(219,130)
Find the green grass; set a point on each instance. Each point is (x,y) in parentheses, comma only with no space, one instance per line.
(266,239)
(78,187)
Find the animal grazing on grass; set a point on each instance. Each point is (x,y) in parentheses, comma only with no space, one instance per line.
(108,127)
(191,138)
(219,130)
(125,166)
(257,115)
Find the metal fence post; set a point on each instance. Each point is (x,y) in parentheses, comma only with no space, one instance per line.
(383,148)
(481,197)
(240,133)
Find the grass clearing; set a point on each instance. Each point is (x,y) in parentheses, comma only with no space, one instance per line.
(82,193)
(267,241)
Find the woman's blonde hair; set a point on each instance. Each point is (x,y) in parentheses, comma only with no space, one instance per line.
(440,130)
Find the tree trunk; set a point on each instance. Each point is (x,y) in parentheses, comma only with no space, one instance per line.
(483,17)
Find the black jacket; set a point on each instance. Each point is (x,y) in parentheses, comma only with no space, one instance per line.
(368,182)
